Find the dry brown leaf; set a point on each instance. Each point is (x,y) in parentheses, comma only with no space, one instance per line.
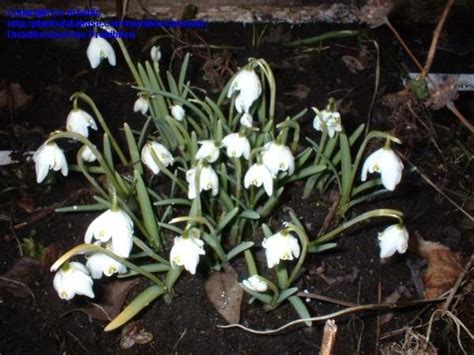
(16,280)
(134,333)
(352,63)
(114,296)
(444,267)
(225,294)
(12,95)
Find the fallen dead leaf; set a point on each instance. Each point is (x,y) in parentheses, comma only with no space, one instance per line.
(12,95)
(114,296)
(225,294)
(352,63)
(444,267)
(134,333)
(16,281)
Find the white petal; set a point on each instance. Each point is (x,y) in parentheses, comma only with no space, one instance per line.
(178,112)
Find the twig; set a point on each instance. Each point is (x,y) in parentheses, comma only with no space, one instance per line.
(18,283)
(330,215)
(361,308)
(378,326)
(329,337)
(326,299)
(376,87)
(404,45)
(77,340)
(179,340)
(452,107)
(434,41)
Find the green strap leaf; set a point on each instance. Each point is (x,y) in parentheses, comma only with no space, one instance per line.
(301,309)
(138,304)
(239,249)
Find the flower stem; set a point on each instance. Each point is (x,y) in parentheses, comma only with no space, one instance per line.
(382,212)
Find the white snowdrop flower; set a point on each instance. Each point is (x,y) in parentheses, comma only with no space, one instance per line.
(79,121)
(258,175)
(236,146)
(178,113)
(49,156)
(394,238)
(255,283)
(161,153)
(208,151)
(141,105)
(249,88)
(246,120)
(185,252)
(280,246)
(208,180)
(99,264)
(114,226)
(87,154)
(73,279)
(387,163)
(278,157)
(332,119)
(100,49)
(155,53)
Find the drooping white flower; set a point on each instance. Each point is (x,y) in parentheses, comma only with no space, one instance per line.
(71,279)
(257,175)
(236,146)
(161,153)
(99,264)
(208,151)
(87,154)
(246,120)
(394,238)
(114,226)
(332,120)
(141,105)
(185,252)
(278,157)
(178,113)
(249,88)
(255,283)
(280,246)
(208,180)
(79,121)
(49,156)
(100,49)
(387,163)
(155,53)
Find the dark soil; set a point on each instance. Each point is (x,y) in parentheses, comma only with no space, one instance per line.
(52,71)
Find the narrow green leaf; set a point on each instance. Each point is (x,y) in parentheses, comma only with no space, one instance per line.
(146,209)
(309,171)
(321,247)
(250,214)
(324,37)
(267,232)
(173,201)
(262,297)
(133,149)
(139,303)
(227,218)
(155,267)
(239,249)
(82,208)
(301,309)
(287,293)
(182,72)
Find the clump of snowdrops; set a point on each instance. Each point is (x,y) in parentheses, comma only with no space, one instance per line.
(223,165)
